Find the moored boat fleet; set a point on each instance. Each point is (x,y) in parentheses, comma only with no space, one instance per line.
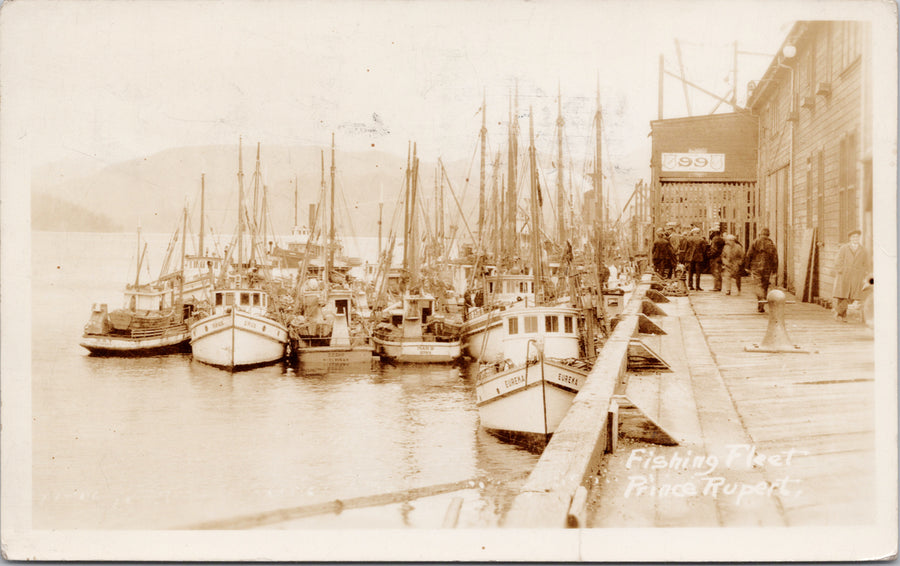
(522,302)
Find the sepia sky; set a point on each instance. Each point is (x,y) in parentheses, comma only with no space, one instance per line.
(99,81)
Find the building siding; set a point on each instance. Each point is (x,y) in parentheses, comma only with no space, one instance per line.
(823,121)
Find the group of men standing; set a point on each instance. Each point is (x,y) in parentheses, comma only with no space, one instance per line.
(727,262)
(724,256)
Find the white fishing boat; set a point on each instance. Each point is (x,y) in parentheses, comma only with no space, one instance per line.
(243,328)
(240,333)
(523,398)
(481,333)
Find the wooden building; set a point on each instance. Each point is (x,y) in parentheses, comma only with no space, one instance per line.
(704,172)
(814,165)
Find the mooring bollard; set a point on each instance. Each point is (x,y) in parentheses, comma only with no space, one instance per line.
(776,339)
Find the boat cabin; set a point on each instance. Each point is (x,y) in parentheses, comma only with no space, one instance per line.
(554,329)
(251,300)
(149,298)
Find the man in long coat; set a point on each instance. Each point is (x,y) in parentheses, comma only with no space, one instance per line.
(762,261)
(694,256)
(716,243)
(851,267)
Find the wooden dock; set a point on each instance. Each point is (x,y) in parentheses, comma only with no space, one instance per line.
(791,436)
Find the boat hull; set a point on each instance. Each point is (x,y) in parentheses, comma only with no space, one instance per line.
(415,351)
(238,340)
(482,338)
(332,358)
(169,342)
(525,404)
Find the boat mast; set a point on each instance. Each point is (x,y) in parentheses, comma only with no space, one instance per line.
(535,213)
(380,211)
(598,185)
(240,226)
(481,197)
(263,227)
(137,274)
(200,251)
(296,190)
(413,268)
(329,256)
(560,190)
(406,209)
(181,276)
(509,240)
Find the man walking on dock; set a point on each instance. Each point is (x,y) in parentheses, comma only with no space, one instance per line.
(715,259)
(663,256)
(762,262)
(733,263)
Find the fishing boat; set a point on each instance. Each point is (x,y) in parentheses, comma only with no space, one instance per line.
(417,329)
(523,398)
(155,317)
(243,328)
(327,331)
(412,333)
(240,332)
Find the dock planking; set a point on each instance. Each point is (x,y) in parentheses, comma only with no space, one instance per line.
(819,406)
(821,403)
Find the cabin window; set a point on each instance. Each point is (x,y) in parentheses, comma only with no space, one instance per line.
(218,299)
(531,287)
(567,321)
(229,299)
(551,323)
(255,299)
(245,299)
(530,324)
(490,286)
(513,326)
(341,306)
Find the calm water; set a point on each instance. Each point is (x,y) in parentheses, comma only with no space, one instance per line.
(165,442)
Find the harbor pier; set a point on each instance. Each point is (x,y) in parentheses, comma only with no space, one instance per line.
(761,439)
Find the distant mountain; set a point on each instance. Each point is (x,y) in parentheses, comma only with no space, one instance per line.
(152,190)
(52,214)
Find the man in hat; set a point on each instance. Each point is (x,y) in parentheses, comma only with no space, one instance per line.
(716,243)
(850,270)
(663,255)
(762,262)
(694,255)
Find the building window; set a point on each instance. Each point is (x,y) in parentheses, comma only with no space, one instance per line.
(850,43)
(847,185)
(811,69)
